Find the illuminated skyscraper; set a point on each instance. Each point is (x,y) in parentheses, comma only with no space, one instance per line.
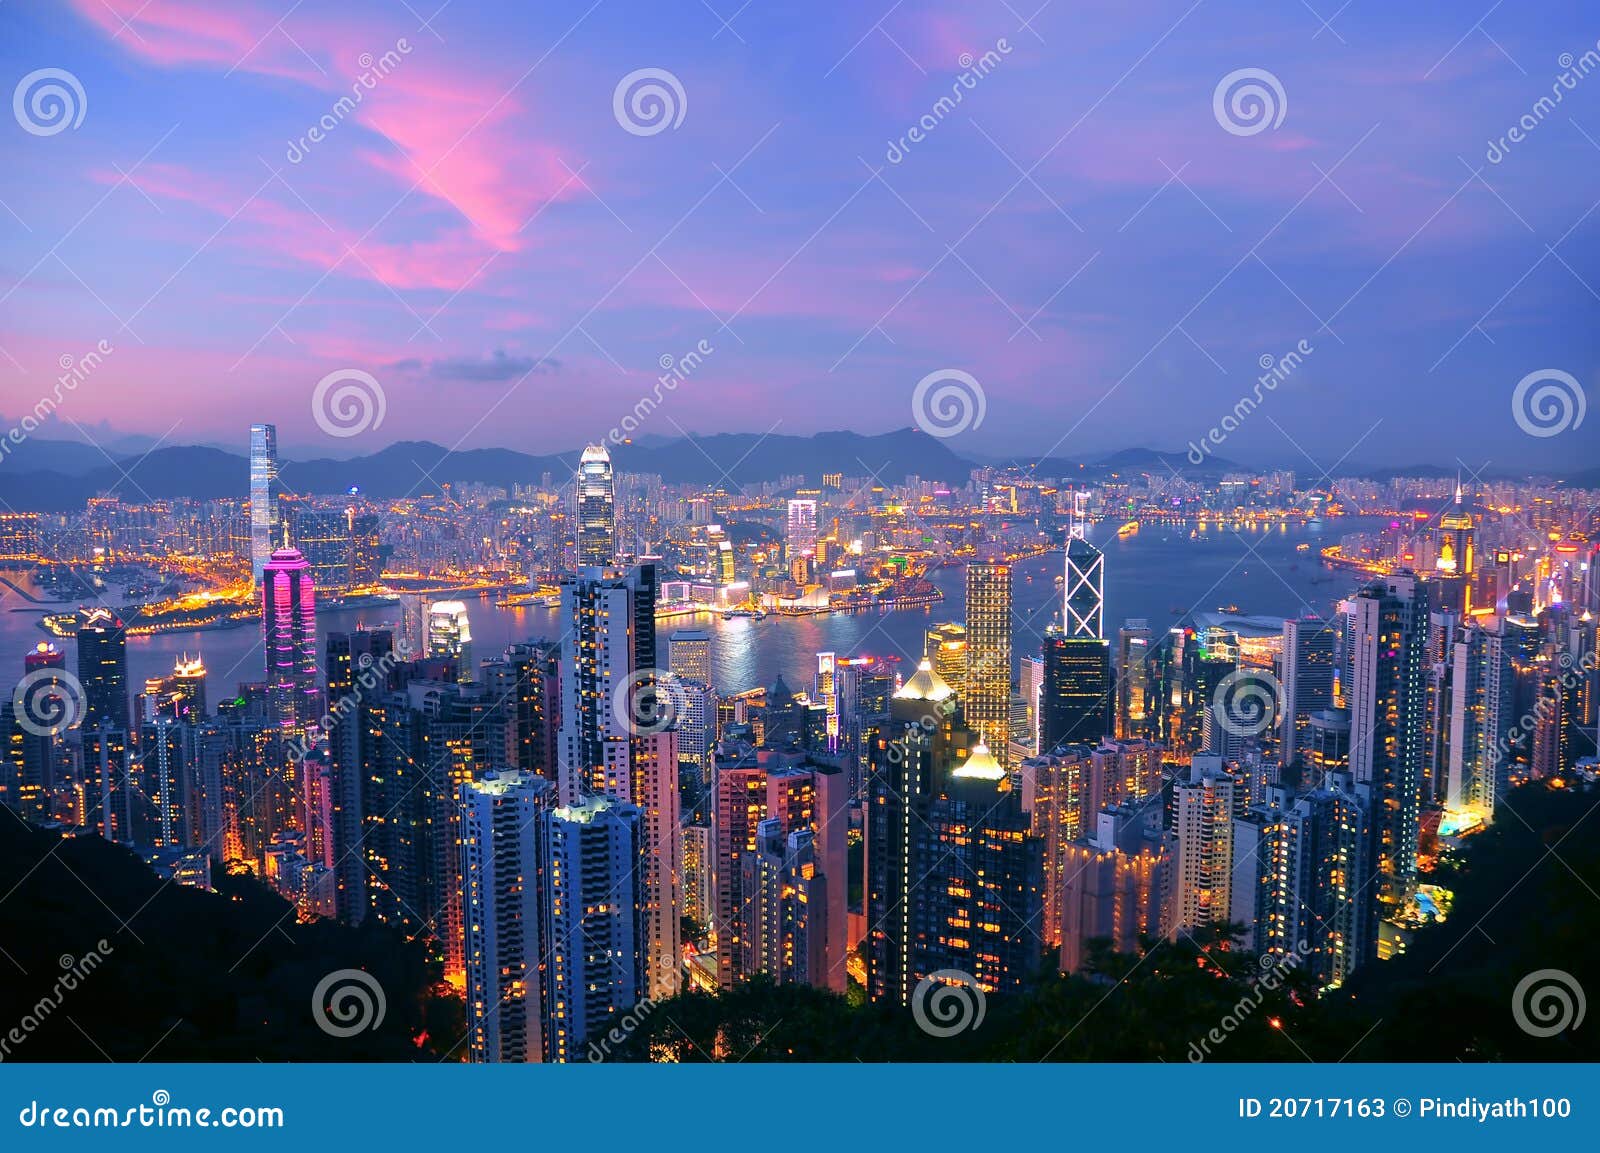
(946,648)
(1204,825)
(1083,611)
(503,871)
(1136,692)
(1307,680)
(689,655)
(1075,699)
(597,508)
(324,538)
(103,668)
(1387,650)
(289,630)
(1116,884)
(450,637)
(802,534)
(987,696)
(265,533)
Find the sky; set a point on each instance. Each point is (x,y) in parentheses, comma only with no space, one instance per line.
(1100,241)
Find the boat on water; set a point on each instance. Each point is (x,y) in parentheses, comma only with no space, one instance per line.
(741,614)
(1128,529)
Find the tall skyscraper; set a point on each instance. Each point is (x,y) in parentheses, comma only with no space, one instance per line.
(802,527)
(1084,596)
(1307,680)
(1387,649)
(450,637)
(617,737)
(946,648)
(1205,810)
(1136,693)
(324,538)
(597,508)
(503,871)
(1075,699)
(103,669)
(594,920)
(689,655)
(987,699)
(1116,884)
(265,532)
(289,630)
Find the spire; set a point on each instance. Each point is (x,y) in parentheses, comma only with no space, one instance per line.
(926,685)
(981,766)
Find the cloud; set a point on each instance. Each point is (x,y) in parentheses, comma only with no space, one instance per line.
(498,366)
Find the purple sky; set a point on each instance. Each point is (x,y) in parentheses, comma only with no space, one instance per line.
(1080,233)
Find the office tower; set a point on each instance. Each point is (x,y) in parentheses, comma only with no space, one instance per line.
(977,904)
(450,637)
(617,737)
(800,796)
(946,648)
(324,538)
(1457,556)
(1479,714)
(1307,680)
(366,550)
(987,699)
(164,778)
(1084,597)
(289,629)
(689,655)
(1136,694)
(265,533)
(1388,700)
(802,527)
(1030,686)
(594,923)
(103,669)
(358,666)
(107,805)
(189,682)
(1205,809)
(503,873)
(527,680)
(1117,885)
(695,707)
(597,508)
(1075,700)
(909,756)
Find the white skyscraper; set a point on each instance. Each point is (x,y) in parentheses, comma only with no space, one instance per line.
(502,867)
(450,636)
(1205,844)
(597,508)
(264,531)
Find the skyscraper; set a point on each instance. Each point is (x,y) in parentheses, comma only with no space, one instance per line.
(689,655)
(1387,649)
(1205,811)
(802,527)
(595,935)
(503,873)
(1075,699)
(289,630)
(450,637)
(1307,680)
(103,669)
(1084,596)
(323,536)
(1136,694)
(597,508)
(265,534)
(946,648)
(987,699)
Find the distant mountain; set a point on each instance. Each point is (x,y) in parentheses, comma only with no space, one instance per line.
(70,457)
